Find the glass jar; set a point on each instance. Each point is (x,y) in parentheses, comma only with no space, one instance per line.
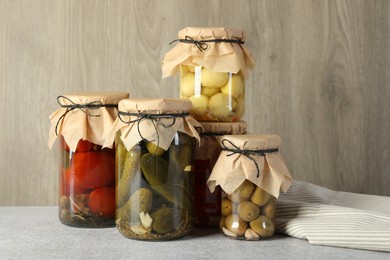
(154,171)
(215,96)
(248,213)
(155,189)
(213,64)
(87,185)
(248,200)
(87,170)
(207,206)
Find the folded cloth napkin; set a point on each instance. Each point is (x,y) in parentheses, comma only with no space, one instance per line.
(331,218)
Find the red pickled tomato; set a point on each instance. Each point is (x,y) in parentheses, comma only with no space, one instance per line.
(102,202)
(93,169)
(82,146)
(71,185)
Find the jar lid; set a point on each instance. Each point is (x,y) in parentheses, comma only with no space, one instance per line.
(223,128)
(155,120)
(84,116)
(217,49)
(250,157)
(155,105)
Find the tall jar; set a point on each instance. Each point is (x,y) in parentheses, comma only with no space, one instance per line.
(155,140)
(213,64)
(207,206)
(87,171)
(251,173)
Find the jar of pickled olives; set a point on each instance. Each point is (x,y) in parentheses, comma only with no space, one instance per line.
(213,64)
(155,140)
(251,173)
(207,206)
(87,171)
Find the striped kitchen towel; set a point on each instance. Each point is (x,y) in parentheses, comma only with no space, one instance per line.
(331,218)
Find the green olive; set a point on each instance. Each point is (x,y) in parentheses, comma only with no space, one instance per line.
(269,209)
(235,224)
(226,207)
(263,226)
(245,189)
(260,197)
(248,211)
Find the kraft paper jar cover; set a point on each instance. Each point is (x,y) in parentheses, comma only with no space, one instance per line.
(84,116)
(160,131)
(232,169)
(218,57)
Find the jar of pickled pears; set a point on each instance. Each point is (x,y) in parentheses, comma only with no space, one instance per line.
(87,171)
(250,172)
(213,64)
(155,140)
(208,205)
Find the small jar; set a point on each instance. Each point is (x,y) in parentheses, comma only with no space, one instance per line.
(155,182)
(87,171)
(213,64)
(207,206)
(248,200)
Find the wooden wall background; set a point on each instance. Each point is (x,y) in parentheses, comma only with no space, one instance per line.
(322,80)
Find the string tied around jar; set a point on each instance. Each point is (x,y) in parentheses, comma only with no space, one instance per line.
(83,107)
(202,44)
(154,118)
(247,153)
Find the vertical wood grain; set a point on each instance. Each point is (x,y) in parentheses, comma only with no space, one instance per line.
(321,81)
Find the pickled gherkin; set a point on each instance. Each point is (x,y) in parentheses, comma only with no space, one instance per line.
(130,173)
(155,191)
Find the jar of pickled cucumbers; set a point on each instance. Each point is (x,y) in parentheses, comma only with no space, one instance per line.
(250,172)
(155,140)
(213,64)
(87,171)
(207,206)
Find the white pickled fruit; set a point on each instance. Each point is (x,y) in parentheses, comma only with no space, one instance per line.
(234,86)
(213,79)
(221,106)
(187,84)
(209,91)
(263,226)
(235,224)
(248,211)
(199,104)
(260,197)
(191,68)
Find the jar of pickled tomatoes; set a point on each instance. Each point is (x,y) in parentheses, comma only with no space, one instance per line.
(213,64)
(87,171)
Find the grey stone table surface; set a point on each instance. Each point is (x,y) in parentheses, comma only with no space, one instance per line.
(36,233)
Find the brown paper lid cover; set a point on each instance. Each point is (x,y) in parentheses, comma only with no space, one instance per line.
(84,116)
(219,57)
(224,128)
(160,131)
(267,171)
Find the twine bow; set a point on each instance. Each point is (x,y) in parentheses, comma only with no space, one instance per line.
(247,153)
(83,107)
(154,118)
(202,44)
